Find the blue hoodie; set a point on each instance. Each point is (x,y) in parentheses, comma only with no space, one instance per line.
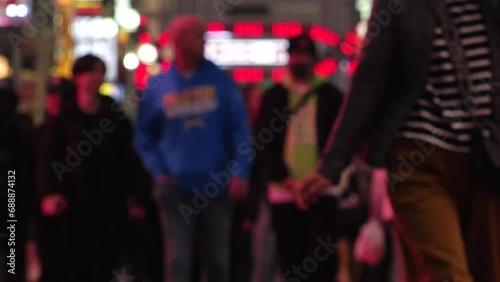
(195,130)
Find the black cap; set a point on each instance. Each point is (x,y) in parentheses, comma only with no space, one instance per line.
(302,44)
(59,85)
(87,63)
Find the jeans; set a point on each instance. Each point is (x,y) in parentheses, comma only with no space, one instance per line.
(307,240)
(182,222)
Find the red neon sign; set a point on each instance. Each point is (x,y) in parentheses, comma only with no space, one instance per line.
(324,35)
(286,29)
(163,38)
(347,48)
(144,37)
(248,29)
(278,74)
(326,67)
(215,26)
(248,75)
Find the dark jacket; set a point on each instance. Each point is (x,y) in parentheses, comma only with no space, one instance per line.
(16,165)
(96,182)
(273,116)
(391,75)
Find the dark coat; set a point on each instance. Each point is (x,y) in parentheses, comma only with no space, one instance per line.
(94,167)
(273,114)
(390,77)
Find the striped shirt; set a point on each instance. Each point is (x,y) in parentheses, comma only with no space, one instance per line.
(441,115)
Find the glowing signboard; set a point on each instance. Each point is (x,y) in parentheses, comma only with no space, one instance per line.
(247,52)
(88,7)
(98,36)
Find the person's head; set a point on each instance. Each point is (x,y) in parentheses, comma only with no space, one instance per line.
(302,57)
(88,74)
(59,92)
(187,34)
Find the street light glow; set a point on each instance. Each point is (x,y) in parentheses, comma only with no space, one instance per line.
(131,61)
(22,10)
(129,19)
(104,28)
(11,10)
(148,53)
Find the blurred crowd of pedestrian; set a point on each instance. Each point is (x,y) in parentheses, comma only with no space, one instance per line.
(93,211)
(217,182)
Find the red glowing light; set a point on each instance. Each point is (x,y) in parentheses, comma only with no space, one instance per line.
(215,26)
(347,48)
(248,75)
(248,29)
(353,65)
(164,38)
(286,29)
(351,37)
(166,65)
(324,35)
(141,77)
(144,38)
(278,74)
(326,67)
(144,20)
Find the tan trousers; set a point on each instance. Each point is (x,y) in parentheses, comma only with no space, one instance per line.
(448,223)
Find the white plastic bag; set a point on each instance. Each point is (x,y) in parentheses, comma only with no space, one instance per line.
(370,244)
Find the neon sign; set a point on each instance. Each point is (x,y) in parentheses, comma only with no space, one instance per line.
(247,52)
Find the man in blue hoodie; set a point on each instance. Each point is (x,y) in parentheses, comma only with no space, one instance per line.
(193,134)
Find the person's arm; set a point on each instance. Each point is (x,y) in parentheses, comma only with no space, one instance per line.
(329,103)
(45,154)
(272,117)
(344,261)
(336,98)
(134,192)
(378,187)
(51,169)
(239,126)
(147,135)
(240,135)
(367,89)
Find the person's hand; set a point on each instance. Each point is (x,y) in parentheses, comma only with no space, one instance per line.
(135,211)
(53,205)
(238,189)
(370,244)
(343,276)
(306,192)
(34,267)
(159,183)
(162,180)
(290,184)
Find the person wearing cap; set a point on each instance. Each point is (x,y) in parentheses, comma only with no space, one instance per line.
(299,112)
(193,135)
(85,177)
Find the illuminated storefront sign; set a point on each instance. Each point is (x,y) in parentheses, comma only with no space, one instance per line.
(88,7)
(97,36)
(247,52)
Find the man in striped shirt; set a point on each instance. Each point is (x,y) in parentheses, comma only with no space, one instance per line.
(428,70)
(441,116)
